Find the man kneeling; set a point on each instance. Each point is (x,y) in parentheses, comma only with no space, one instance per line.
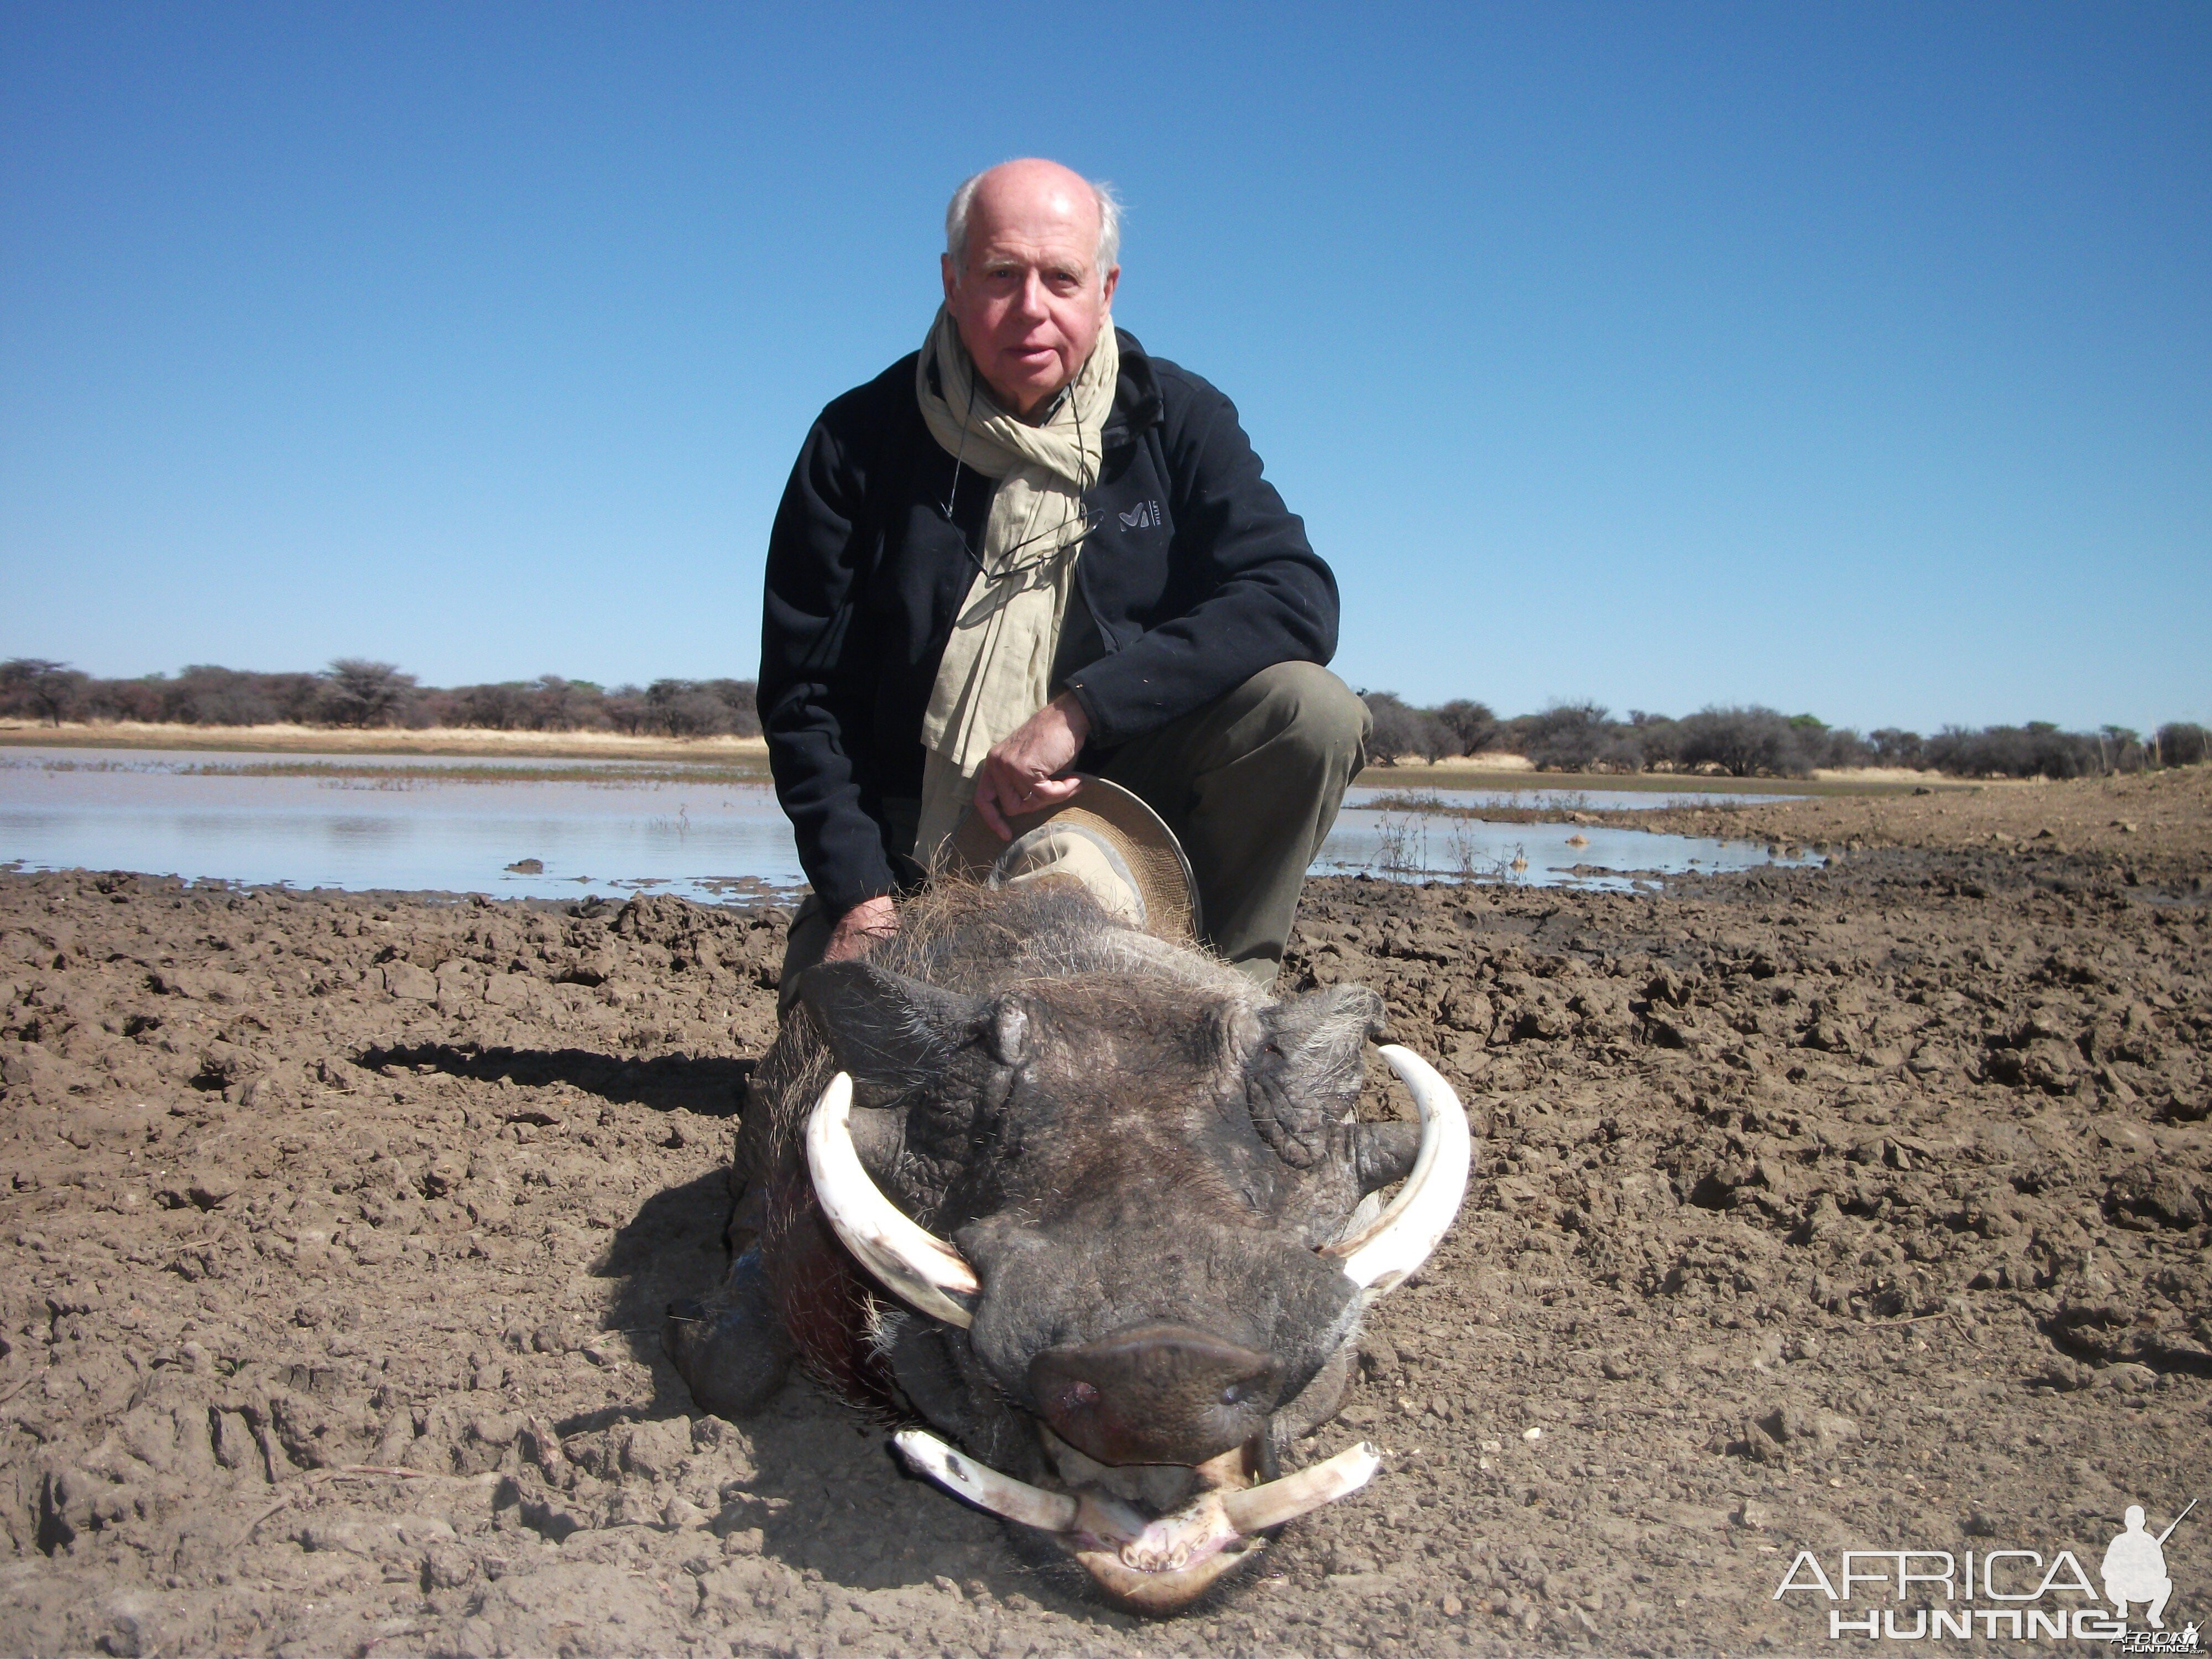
(1030,549)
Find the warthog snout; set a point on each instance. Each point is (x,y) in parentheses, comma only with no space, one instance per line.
(1154,1393)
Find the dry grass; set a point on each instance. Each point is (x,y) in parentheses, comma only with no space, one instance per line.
(1465,772)
(385,741)
(1415,776)
(1488,760)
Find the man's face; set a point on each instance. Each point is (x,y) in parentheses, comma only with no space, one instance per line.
(1031,301)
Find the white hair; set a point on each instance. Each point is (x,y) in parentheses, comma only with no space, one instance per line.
(1109,221)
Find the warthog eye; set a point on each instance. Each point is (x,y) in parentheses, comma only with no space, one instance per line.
(1235,1392)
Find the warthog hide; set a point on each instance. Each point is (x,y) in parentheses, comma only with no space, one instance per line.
(1140,1160)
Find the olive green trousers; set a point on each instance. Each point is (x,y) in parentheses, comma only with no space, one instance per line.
(1250,784)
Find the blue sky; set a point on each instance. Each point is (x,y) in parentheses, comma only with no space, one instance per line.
(1849,358)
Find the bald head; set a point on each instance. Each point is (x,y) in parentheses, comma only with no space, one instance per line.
(1030,275)
(1027,184)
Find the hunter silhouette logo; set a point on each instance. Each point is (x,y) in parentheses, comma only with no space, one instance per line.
(2135,1567)
(2002,1595)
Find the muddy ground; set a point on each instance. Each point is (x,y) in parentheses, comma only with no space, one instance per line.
(1856,1206)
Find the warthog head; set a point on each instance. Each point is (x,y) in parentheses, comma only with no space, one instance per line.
(1100,1208)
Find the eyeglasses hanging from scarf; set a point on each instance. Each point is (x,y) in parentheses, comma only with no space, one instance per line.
(1010,566)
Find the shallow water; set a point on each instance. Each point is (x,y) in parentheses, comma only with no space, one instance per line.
(359,829)
(452,825)
(1407,846)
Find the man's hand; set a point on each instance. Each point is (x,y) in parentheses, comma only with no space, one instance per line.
(1022,773)
(869,920)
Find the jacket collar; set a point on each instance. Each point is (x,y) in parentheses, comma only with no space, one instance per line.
(1136,394)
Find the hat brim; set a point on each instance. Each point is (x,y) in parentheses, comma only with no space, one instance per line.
(1147,845)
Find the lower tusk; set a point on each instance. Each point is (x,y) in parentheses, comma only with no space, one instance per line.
(985,1488)
(1209,1522)
(1257,1508)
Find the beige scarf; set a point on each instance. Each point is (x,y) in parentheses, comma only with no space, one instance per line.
(997,667)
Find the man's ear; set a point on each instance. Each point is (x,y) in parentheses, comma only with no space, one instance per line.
(951,276)
(1112,281)
(886,1029)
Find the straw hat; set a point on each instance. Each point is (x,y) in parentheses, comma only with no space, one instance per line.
(1104,837)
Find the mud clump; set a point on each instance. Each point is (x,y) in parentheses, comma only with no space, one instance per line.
(1864,1207)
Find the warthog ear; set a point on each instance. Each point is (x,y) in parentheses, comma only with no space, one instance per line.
(884,1028)
(1305,1075)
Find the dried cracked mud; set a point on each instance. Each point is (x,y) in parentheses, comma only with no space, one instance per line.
(1855,1208)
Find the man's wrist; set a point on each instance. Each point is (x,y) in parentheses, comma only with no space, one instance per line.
(1077,714)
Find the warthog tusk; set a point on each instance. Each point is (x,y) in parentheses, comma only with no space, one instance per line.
(1257,1508)
(985,1488)
(1213,1519)
(913,1263)
(1380,1255)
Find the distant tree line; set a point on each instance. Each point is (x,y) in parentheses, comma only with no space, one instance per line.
(356,692)
(1755,742)
(1567,737)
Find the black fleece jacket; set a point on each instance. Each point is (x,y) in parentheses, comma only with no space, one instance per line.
(1196,578)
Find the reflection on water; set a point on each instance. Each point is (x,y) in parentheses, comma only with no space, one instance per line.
(1410,846)
(372,822)
(172,815)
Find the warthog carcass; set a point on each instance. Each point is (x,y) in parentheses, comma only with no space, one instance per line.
(1091,1207)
